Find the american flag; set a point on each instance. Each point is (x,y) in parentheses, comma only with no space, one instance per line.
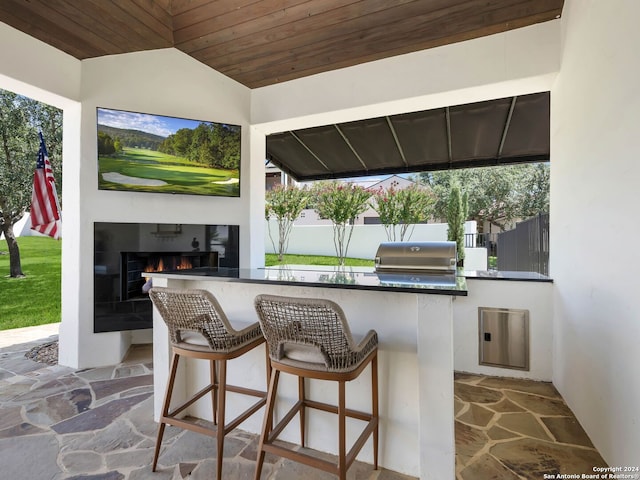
(45,211)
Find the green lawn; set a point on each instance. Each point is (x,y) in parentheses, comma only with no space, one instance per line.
(271,259)
(35,299)
(181,175)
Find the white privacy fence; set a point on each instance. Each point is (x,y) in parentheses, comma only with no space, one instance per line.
(318,240)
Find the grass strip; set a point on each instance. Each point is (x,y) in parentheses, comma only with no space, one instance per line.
(34,299)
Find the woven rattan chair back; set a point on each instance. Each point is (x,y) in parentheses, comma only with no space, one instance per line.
(317,323)
(197,311)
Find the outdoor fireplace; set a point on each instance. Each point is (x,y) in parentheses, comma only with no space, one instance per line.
(124,251)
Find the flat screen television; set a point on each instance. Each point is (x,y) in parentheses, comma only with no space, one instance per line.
(142,152)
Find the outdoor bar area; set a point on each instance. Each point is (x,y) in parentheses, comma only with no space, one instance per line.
(551,82)
(414,323)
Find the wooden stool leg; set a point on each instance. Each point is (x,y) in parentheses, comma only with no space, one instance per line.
(213,378)
(222,391)
(165,408)
(342,444)
(301,397)
(268,363)
(267,424)
(374,409)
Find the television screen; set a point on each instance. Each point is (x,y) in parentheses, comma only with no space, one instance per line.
(141,152)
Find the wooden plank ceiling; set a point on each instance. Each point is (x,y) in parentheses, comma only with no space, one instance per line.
(263,42)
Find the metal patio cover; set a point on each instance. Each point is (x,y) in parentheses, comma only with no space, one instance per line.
(495,132)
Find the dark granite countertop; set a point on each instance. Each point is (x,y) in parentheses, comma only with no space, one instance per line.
(356,278)
(513,276)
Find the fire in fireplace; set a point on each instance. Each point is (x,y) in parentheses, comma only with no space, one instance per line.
(135,264)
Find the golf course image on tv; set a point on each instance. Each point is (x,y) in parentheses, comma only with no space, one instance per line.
(142,152)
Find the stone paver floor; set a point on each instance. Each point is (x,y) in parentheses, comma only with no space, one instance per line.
(511,429)
(61,423)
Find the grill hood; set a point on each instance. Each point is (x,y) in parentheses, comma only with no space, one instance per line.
(417,257)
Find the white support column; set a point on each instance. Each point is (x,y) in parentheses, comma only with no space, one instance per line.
(435,378)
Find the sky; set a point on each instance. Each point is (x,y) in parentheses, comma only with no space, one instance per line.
(155,124)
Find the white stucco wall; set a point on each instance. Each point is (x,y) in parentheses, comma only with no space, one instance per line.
(595,175)
(365,240)
(533,296)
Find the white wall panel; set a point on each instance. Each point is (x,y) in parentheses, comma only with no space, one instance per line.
(594,196)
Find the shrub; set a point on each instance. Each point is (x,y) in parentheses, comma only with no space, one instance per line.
(401,209)
(341,203)
(284,204)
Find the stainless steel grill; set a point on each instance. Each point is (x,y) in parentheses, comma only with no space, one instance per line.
(417,257)
(417,263)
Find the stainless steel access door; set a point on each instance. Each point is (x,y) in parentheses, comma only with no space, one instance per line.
(504,337)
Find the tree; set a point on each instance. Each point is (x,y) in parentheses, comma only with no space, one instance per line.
(20,120)
(456,216)
(284,204)
(106,145)
(497,195)
(533,196)
(401,209)
(341,203)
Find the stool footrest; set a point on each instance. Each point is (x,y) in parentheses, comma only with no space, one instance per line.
(171,419)
(327,466)
(268,446)
(301,458)
(191,401)
(244,415)
(326,407)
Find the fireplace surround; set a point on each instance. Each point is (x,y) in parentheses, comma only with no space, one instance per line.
(124,251)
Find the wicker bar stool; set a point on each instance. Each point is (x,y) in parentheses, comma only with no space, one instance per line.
(310,338)
(199,328)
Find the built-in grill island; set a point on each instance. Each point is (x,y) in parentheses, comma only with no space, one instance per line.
(431,263)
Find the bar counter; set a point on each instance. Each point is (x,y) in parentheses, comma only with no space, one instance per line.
(413,317)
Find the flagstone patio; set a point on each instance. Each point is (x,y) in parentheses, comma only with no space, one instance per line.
(60,423)
(512,429)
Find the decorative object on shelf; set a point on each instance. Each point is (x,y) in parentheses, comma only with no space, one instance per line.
(167,229)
